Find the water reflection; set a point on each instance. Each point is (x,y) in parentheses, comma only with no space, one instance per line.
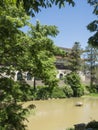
(62,113)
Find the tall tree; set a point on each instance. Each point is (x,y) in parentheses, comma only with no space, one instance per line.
(16,49)
(74,57)
(13,55)
(91,61)
(74,62)
(42,51)
(21,52)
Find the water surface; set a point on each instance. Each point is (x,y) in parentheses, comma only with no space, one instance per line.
(59,114)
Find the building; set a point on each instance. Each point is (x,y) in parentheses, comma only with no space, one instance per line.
(62,71)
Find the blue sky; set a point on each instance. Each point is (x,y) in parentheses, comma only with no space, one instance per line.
(71,22)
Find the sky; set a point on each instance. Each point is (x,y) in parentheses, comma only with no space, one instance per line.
(71,22)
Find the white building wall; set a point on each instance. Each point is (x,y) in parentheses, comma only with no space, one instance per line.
(63,72)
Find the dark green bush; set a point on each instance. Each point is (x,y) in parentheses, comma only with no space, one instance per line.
(73,79)
(68,91)
(12,114)
(58,93)
(93,124)
(50,92)
(43,93)
(92,89)
(26,90)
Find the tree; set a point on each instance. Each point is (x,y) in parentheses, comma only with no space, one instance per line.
(91,61)
(21,52)
(74,58)
(13,56)
(42,52)
(74,62)
(93,26)
(34,6)
(73,80)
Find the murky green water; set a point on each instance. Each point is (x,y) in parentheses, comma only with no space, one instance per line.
(60,114)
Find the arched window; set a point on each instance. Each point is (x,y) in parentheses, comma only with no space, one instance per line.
(29,76)
(61,76)
(19,76)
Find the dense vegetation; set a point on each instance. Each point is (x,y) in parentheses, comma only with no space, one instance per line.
(33,52)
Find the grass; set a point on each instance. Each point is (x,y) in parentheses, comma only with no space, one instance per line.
(91,95)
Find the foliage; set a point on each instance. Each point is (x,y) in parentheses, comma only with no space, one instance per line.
(34,6)
(91,60)
(93,124)
(74,81)
(44,93)
(13,91)
(93,89)
(24,53)
(59,52)
(93,26)
(42,51)
(19,51)
(12,114)
(73,58)
(58,93)
(26,91)
(49,92)
(95,4)
(68,91)
(13,42)
(93,94)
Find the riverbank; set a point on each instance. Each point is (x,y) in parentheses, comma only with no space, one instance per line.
(93,95)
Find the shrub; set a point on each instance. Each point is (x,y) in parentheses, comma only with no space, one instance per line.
(92,89)
(50,92)
(58,93)
(12,114)
(43,93)
(26,90)
(68,91)
(74,81)
(93,124)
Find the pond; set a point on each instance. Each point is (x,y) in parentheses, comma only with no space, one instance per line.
(59,114)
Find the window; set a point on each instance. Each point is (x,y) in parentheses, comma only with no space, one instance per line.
(29,76)
(61,76)
(19,76)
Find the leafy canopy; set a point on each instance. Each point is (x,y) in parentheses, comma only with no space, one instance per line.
(22,52)
(93,26)
(34,6)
